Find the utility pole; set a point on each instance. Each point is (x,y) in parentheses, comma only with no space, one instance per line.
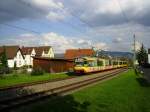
(134,51)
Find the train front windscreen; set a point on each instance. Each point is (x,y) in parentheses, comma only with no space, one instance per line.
(80,62)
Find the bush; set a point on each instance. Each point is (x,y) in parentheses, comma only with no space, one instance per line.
(23,71)
(37,71)
(146,65)
(4,70)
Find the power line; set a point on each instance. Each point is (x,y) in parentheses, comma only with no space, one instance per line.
(30,30)
(20,28)
(30,6)
(62,22)
(87,24)
(122,11)
(134,38)
(71,25)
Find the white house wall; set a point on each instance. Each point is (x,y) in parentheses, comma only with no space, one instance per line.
(50,53)
(19,59)
(149,58)
(28,60)
(33,53)
(10,63)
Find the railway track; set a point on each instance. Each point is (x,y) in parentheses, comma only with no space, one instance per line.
(39,82)
(11,103)
(33,83)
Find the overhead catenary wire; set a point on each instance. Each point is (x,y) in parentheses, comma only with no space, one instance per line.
(134,38)
(20,28)
(62,22)
(69,24)
(122,11)
(33,31)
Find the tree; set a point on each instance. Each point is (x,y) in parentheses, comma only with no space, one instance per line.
(15,65)
(4,58)
(142,56)
(4,64)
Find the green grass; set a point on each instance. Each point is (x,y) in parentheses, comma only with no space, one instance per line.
(13,79)
(126,93)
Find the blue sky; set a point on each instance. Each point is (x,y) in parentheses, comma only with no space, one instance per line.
(64,24)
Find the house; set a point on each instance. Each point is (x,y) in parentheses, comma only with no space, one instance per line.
(14,55)
(149,56)
(41,51)
(28,53)
(74,53)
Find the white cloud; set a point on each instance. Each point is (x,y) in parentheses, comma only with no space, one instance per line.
(101,45)
(46,3)
(117,40)
(110,29)
(59,42)
(111,12)
(57,15)
(36,9)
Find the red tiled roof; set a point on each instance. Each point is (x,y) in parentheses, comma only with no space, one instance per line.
(11,51)
(73,53)
(27,50)
(38,50)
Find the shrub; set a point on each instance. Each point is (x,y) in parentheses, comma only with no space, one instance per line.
(15,74)
(15,66)
(23,71)
(4,70)
(146,65)
(37,71)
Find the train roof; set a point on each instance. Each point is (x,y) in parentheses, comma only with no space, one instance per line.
(90,58)
(95,58)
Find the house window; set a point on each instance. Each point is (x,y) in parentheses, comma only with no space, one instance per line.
(19,62)
(20,56)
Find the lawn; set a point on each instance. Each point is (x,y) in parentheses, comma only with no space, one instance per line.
(13,79)
(125,93)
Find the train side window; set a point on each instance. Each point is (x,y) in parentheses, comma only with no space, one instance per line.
(106,63)
(90,64)
(115,63)
(100,63)
(85,62)
(110,62)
